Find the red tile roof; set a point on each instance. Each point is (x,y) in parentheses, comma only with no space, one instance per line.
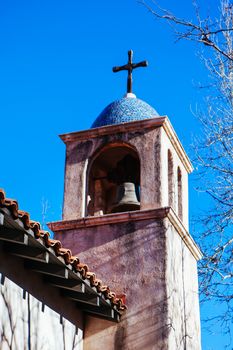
(64,253)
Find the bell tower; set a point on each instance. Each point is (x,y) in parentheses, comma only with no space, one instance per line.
(125,212)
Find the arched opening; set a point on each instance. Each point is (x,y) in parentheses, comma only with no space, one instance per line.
(179,185)
(114,181)
(170,171)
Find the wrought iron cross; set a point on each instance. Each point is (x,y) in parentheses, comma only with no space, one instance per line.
(129,67)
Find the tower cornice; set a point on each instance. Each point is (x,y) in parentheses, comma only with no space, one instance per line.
(117,218)
(152,123)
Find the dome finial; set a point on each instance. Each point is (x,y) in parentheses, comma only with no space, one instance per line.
(129,67)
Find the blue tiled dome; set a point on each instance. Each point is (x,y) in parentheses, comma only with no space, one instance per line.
(127,109)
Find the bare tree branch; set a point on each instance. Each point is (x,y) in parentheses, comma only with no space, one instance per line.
(213,148)
(199,32)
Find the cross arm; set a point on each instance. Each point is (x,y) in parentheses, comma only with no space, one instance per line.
(140,64)
(119,68)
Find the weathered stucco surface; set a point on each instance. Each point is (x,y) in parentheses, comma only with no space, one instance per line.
(80,154)
(152,146)
(44,323)
(165,146)
(182,293)
(147,261)
(13,268)
(129,257)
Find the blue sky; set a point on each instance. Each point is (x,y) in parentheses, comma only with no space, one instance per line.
(56,76)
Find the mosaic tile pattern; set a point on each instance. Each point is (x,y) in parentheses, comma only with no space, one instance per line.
(124,110)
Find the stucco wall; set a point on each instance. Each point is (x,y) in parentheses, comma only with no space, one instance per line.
(130,258)
(147,261)
(22,321)
(79,155)
(165,146)
(182,294)
(13,268)
(152,146)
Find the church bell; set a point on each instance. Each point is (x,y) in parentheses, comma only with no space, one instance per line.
(126,198)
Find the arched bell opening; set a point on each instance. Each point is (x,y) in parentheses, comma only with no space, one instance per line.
(114,181)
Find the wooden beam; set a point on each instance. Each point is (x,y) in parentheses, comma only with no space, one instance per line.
(26,251)
(1,219)
(37,258)
(100,311)
(47,268)
(86,298)
(12,235)
(70,283)
(2,279)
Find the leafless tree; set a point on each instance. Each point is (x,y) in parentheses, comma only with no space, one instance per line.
(213,150)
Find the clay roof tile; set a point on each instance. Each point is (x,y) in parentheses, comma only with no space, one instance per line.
(66,254)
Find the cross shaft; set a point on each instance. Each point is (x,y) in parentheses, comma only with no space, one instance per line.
(129,67)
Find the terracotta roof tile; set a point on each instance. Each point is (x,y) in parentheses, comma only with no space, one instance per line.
(64,253)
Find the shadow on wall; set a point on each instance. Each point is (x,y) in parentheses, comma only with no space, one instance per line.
(142,327)
(98,236)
